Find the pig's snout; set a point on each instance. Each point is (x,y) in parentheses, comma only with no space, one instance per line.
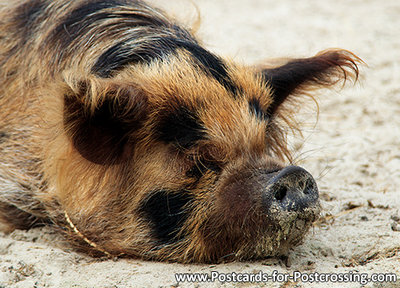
(272,209)
(290,189)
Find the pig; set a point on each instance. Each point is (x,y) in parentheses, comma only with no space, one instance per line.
(119,129)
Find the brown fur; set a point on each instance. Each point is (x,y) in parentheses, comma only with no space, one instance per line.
(52,163)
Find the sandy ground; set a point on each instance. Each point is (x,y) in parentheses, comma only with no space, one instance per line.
(353,150)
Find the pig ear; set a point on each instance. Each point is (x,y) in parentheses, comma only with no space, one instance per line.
(302,75)
(101,120)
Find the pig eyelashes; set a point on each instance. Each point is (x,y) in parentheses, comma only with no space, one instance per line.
(201,167)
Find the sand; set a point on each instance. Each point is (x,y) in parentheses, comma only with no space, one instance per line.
(353,150)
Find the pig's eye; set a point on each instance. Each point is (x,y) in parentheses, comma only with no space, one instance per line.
(201,167)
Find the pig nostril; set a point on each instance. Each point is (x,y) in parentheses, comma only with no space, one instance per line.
(281,193)
(308,187)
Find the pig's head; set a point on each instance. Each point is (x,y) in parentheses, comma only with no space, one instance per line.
(185,158)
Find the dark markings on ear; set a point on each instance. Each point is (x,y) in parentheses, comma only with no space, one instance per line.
(167,212)
(181,127)
(26,16)
(132,52)
(101,136)
(325,69)
(256,109)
